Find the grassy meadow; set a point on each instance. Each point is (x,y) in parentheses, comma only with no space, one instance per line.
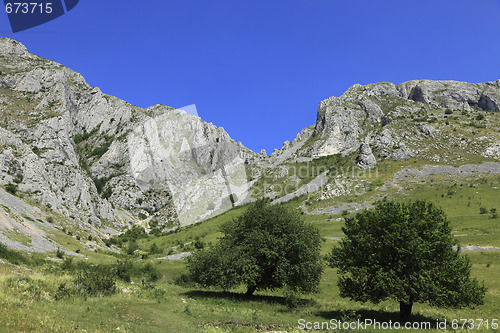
(40,295)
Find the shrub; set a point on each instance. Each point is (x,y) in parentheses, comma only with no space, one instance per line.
(132,247)
(150,272)
(233,198)
(19,178)
(12,256)
(59,253)
(154,249)
(198,244)
(483,210)
(125,269)
(11,188)
(67,264)
(98,281)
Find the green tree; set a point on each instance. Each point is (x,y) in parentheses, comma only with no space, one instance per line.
(132,247)
(404,252)
(267,247)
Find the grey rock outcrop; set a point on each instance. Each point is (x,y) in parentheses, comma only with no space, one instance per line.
(453,95)
(366,160)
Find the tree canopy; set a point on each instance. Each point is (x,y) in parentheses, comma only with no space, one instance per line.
(404,252)
(267,247)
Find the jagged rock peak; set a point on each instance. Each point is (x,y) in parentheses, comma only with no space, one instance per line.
(10,47)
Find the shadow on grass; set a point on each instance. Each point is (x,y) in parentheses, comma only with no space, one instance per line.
(374,315)
(240,297)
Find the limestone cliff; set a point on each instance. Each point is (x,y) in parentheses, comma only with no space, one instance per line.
(95,159)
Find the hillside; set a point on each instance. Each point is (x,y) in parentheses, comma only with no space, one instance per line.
(368,129)
(90,161)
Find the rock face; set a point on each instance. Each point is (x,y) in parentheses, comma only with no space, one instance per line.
(436,121)
(391,119)
(453,95)
(366,160)
(95,159)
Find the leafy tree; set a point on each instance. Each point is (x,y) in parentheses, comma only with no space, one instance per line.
(404,252)
(266,248)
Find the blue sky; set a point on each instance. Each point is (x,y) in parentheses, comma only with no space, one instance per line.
(259,68)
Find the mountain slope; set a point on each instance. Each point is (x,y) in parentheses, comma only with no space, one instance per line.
(91,159)
(371,127)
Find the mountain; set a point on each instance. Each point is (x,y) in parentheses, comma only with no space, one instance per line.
(368,129)
(74,154)
(75,159)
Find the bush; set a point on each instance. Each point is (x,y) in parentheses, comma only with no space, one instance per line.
(483,210)
(134,234)
(448,111)
(67,264)
(132,247)
(19,178)
(154,249)
(59,253)
(480,117)
(12,256)
(233,198)
(95,282)
(150,272)
(125,269)
(198,244)
(11,188)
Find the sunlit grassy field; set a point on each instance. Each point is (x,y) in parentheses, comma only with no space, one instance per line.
(29,293)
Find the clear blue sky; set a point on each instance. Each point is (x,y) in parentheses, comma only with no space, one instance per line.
(259,68)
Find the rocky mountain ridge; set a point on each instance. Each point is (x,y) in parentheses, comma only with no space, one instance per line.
(95,160)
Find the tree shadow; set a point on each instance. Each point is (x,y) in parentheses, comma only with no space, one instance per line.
(240,297)
(375,315)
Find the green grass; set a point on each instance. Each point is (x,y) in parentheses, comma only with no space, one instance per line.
(165,307)
(30,304)
(207,231)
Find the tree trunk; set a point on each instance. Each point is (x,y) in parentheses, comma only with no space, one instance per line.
(250,291)
(405,311)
